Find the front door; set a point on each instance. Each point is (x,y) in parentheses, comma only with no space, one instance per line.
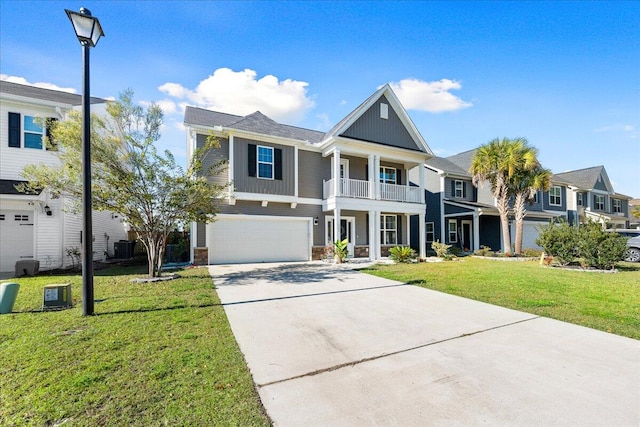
(467,235)
(347,231)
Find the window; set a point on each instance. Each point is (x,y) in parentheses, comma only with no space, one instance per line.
(388,229)
(429,229)
(265,162)
(458,189)
(580,199)
(453,231)
(534,199)
(555,196)
(28,132)
(617,205)
(598,202)
(388,175)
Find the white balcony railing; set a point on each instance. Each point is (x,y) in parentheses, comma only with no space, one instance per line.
(359,189)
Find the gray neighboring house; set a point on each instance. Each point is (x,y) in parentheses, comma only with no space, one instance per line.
(40,226)
(294,191)
(590,196)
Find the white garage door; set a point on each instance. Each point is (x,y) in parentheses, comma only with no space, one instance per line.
(247,239)
(16,238)
(530,231)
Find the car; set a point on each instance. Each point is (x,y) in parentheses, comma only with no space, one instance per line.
(633,242)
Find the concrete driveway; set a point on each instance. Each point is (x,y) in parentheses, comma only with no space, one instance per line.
(329,346)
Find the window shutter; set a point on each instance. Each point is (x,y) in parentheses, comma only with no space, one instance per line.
(453,188)
(14,130)
(51,122)
(277,163)
(464,189)
(595,202)
(251,161)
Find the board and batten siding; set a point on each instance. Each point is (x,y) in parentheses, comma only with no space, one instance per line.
(247,184)
(213,156)
(371,127)
(468,190)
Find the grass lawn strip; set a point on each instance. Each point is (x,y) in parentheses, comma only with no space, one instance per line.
(608,302)
(157,353)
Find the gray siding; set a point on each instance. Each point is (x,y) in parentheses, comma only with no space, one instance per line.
(247,184)
(312,170)
(214,156)
(370,127)
(468,190)
(563,204)
(599,185)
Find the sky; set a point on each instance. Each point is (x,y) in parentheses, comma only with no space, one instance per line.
(564,75)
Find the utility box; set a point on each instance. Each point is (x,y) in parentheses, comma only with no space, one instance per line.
(123,249)
(57,297)
(8,295)
(27,267)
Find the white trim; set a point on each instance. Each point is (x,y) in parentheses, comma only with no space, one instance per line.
(295,171)
(275,198)
(352,235)
(470,244)
(449,222)
(272,163)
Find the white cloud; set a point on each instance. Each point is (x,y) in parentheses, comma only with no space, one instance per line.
(43,85)
(243,93)
(433,97)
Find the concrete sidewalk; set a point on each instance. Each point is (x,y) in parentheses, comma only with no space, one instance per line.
(330,346)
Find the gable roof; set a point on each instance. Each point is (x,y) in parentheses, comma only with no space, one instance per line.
(254,122)
(463,160)
(585,179)
(446,166)
(33,92)
(385,91)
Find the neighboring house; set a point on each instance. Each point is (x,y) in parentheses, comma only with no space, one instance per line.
(634,221)
(590,196)
(294,191)
(38,226)
(465,216)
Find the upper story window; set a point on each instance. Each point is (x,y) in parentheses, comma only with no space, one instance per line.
(598,202)
(534,199)
(388,175)
(617,205)
(458,189)
(27,131)
(265,162)
(555,196)
(384,111)
(580,198)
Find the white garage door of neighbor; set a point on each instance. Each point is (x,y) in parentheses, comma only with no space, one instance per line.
(530,231)
(250,239)
(16,238)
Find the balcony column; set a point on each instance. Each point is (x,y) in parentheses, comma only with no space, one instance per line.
(376,176)
(422,239)
(372,177)
(422,183)
(476,231)
(336,173)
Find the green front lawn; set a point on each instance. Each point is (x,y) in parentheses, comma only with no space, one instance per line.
(154,354)
(606,301)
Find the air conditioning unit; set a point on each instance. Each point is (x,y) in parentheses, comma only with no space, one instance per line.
(57,297)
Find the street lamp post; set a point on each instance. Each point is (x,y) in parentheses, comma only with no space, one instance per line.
(88,31)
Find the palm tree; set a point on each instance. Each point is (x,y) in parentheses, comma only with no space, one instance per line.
(498,162)
(524,185)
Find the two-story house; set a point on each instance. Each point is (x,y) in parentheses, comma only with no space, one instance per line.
(39,226)
(589,195)
(294,191)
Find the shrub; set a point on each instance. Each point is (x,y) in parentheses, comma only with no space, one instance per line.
(559,240)
(402,254)
(531,253)
(442,249)
(340,250)
(598,248)
(484,251)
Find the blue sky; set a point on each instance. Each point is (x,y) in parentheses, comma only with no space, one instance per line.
(565,75)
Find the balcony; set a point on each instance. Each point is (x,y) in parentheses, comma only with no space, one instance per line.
(359,189)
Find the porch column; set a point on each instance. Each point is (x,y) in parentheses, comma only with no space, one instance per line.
(376,234)
(422,238)
(372,235)
(372,177)
(476,231)
(231,200)
(336,174)
(336,224)
(407,237)
(376,176)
